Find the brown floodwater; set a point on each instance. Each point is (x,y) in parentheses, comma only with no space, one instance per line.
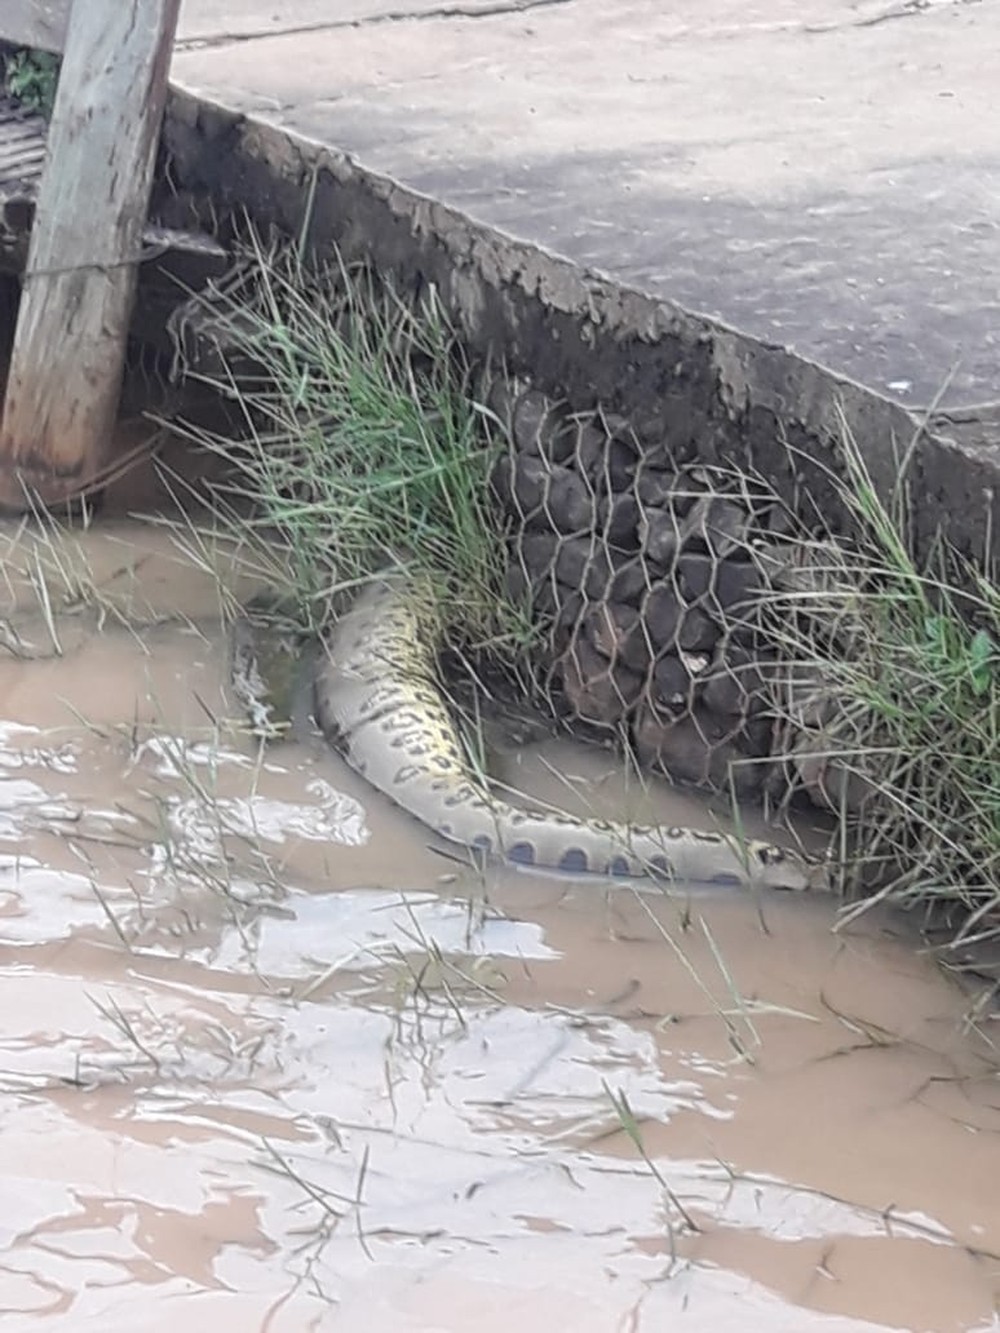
(270,1061)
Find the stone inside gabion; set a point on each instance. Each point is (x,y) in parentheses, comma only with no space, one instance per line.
(649,577)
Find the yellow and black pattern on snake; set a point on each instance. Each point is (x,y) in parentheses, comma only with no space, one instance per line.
(379,704)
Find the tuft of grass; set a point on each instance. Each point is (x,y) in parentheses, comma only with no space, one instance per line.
(905,661)
(361,444)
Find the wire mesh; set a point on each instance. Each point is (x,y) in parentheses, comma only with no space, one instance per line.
(655,583)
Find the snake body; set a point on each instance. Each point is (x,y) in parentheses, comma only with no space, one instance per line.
(379,703)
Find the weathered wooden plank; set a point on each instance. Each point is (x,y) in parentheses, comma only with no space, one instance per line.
(38,23)
(79,285)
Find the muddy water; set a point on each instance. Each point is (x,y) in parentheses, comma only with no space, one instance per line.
(269,1061)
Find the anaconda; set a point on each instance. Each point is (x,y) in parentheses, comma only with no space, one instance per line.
(379,703)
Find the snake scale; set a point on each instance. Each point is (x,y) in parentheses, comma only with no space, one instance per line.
(379,704)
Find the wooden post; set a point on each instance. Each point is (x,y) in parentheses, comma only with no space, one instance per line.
(79,285)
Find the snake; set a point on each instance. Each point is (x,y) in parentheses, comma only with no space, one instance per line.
(378,701)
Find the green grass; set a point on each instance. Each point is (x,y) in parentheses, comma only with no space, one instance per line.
(30,77)
(909,656)
(362,446)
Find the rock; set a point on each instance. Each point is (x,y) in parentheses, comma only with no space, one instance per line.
(724,693)
(664,488)
(696,575)
(587,444)
(630,580)
(570,504)
(780,520)
(502,482)
(740,772)
(517,584)
(570,605)
(597,691)
(738,584)
(831,783)
(674,684)
(619,518)
(697,632)
(535,556)
(562,445)
(531,481)
(545,496)
(583,563)
(536,425)
(568,621)
(621,461)
(718,524)
(693,749)
(756,736)
(659,536)
(537,591)
(803,695)
(618,633)
(733,684)
(616,427)
(614,465)
(649,431)
(811,570)
(500,399)
(661,611)
(541,572)
(589,564)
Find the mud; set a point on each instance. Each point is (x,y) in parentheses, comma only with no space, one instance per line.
(269,1061)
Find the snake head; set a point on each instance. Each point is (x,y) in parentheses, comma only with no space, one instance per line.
(780,868)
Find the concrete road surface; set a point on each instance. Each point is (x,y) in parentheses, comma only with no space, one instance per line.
(819,173)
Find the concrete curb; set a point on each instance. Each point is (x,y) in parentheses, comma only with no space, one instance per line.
(717,394)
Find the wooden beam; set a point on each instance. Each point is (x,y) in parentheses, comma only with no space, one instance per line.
(38,23)
(79,285)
